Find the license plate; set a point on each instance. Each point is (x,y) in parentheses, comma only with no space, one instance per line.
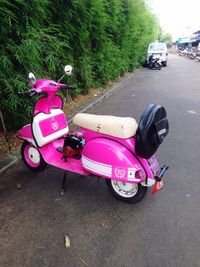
(157,186)
(154,165)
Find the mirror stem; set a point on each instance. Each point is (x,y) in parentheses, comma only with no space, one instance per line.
(61,78)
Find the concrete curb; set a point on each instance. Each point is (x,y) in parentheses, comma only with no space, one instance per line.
(7,162)
(10,160)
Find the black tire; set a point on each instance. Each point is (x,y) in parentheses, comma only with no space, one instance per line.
(164,63)
(157,66)
(40,166)
(141,192)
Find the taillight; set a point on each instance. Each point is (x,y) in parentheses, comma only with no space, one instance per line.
(140,174)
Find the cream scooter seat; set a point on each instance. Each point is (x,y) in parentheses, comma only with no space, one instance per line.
(121,127)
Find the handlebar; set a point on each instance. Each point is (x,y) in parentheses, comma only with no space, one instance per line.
(70,87)
(32,92)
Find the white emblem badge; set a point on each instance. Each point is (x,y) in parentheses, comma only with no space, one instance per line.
(54,125)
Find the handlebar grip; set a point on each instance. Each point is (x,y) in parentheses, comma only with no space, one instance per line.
(70,87)
(28,93)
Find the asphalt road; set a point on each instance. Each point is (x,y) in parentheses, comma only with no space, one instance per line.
(162,230)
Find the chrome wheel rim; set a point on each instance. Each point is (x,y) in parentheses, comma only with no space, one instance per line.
(124,189)
(34,155)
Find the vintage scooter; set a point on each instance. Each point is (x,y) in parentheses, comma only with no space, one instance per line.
(115,148)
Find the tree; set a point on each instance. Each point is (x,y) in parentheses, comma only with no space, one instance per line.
(164,37)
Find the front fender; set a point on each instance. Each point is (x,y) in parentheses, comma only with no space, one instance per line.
(112,159)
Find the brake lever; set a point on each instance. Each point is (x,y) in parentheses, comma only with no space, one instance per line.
(25,92)
(68,87)
(33,93)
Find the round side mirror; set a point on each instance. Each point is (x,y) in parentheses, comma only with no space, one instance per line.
(31,78)
(68,70)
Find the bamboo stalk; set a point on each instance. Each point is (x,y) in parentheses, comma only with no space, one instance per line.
(5,131)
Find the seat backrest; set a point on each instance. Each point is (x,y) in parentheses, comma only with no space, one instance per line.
(49,127)
(152,129)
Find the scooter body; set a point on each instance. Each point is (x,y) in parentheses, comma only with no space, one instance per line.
(100,152)
(114,158)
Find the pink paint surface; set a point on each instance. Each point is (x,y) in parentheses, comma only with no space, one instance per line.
(54,124)
(43,105)
(25,132)
(51,100)
(54,158)
(100,148)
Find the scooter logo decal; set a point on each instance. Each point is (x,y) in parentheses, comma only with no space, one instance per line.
(54,125)
(120,172)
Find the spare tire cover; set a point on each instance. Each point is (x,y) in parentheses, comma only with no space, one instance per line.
(152,129)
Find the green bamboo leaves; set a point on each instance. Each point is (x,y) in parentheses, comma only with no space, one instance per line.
(101,39)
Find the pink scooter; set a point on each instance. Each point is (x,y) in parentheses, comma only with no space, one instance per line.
(115,148)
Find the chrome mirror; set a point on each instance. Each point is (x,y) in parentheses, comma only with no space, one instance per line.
(68,70)
(31,78)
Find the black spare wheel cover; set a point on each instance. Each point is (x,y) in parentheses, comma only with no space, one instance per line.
(152,129)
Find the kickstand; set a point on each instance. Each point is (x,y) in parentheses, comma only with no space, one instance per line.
(63,183)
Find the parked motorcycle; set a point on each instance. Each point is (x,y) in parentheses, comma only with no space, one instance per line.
(191,54)
(198,57)
(115,148)
(154,62)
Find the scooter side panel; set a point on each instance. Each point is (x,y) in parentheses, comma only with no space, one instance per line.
(110,159)
(127,143)
(49,127)
(89,135)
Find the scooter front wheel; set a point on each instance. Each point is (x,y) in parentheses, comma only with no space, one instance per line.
(32,157)
(126,192)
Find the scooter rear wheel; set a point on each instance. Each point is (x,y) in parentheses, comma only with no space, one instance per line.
(127,192)
(32,157)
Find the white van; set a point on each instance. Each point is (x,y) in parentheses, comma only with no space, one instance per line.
(158,50)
